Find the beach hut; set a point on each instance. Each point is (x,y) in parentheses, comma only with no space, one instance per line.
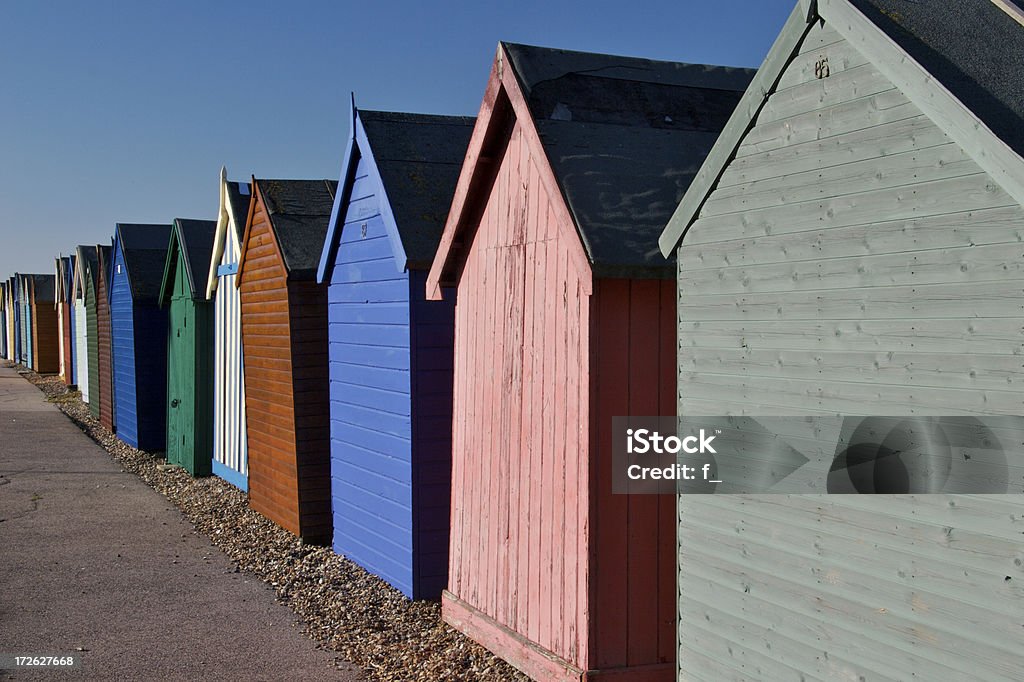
(13,285)
(8,320)
(565,318)
(138,334)
(230,458)
(284,340)
(89,377)
(26,319)
(81,350)
(391,349)
(3,321)
(45,332)
(852,247)
(189,345)
(104,377)
(63,272)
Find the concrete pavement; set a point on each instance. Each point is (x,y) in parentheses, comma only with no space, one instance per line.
(95,563)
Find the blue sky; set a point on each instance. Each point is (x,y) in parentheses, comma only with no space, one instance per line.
(125,111)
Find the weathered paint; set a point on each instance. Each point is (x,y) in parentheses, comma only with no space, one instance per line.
(391,356)
(65,321)
(230,448)
(189,349)
(849,257)
(547,568)
(138,339)
(284,335)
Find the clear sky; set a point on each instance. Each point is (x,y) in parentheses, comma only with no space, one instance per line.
(125,111)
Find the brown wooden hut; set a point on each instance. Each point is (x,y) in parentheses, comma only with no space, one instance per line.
(284,340)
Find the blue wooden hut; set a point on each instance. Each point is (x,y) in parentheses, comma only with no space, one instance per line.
(138,333)
(391,349)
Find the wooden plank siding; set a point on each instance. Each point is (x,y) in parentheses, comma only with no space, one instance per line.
(92,345)
(103,338)
(45,336)
(634,546)
(122,349)
(269,396)
(284,336)
(138,357)
(230,445)
(370,385)
(851,260)
(432,343)
(81,349)
(520,553)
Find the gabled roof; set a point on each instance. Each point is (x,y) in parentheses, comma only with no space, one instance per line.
(194,239)
(418,158)
(63,272)
(43,288)
(87,263)
(298,211)
(232,215)
(145,249)
(623,138)
(949,58)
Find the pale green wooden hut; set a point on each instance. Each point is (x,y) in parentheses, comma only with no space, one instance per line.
(852,246)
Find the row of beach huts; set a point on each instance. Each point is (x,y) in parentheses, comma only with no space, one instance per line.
(420,363)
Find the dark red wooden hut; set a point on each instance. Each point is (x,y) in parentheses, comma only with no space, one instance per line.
(566,318)
(103,348)
(284,340)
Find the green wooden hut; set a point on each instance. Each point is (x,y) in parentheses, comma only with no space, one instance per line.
(189,346)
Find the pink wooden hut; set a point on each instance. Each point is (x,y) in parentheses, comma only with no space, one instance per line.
(565,318)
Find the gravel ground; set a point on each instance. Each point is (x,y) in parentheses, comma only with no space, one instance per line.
(339,604)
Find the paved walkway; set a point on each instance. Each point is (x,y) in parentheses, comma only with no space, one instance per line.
(92,558)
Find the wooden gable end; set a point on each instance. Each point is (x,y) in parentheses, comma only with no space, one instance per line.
(266,341)
(504,110)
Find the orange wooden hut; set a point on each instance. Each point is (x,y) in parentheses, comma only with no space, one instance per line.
(566,318)
(284,340)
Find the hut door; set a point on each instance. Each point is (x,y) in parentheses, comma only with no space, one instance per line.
(178,381)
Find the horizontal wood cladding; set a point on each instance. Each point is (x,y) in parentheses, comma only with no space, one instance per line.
(286,389)
(273,486)
(852,260)
(520,553)
(122,350)
(103,346)
(92,346)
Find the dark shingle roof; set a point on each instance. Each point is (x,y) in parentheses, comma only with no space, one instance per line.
(195,239)
(419,158)
(299,212)
(145,251)
(44,288)
(971,46)
(624,137)
(239,194)
(90,263)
